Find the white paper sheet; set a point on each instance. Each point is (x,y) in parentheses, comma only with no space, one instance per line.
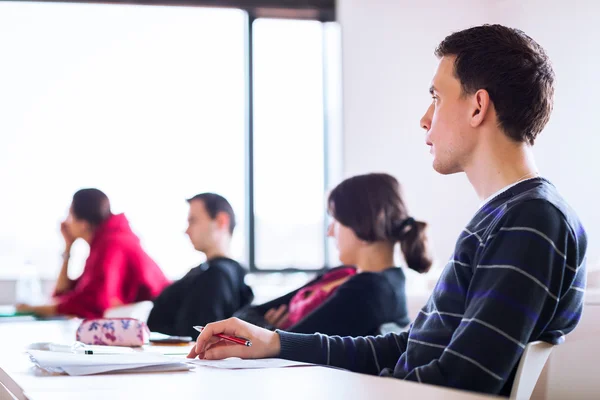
(238,363)
(87,364)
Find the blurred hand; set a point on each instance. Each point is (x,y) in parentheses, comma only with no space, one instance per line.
(265,344)
(277,316)
(23,308)
(69,239)
(41,311)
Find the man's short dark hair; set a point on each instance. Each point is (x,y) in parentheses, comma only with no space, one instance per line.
(215,204)
(513,68)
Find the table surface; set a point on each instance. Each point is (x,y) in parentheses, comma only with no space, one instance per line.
(25,381)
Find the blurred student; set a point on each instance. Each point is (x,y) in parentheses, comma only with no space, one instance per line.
(369,219)
(215,289)
(117,271)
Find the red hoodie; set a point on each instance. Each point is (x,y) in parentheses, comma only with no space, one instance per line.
(118,271)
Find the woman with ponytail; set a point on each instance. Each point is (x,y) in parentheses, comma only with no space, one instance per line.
(369,217)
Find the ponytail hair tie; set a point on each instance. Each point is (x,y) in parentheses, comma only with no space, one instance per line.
(399,230)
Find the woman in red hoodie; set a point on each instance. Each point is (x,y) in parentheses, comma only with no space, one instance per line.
(118,271)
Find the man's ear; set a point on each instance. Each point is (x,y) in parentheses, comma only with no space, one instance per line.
(481,107)
(222,219)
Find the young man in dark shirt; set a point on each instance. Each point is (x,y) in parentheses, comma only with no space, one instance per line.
(215,289)
(517,274)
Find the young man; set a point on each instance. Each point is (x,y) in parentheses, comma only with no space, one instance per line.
(215,289)
(517,274)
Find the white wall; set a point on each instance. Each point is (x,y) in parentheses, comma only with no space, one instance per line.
(388,63)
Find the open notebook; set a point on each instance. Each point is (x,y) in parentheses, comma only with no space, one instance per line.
(88,364)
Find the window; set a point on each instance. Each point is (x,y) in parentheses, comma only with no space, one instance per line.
(297,141)
(288,144)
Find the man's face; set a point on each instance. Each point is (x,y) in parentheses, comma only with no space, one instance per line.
(449,134)
(201,227)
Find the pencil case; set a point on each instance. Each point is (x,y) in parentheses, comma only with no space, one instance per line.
(128,332)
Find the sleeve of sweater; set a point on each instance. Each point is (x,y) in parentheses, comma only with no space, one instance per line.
(210,297)
(514,291)
(367,354)
(90,297)
(354,309)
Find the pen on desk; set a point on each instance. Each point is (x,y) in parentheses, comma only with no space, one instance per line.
(234,339)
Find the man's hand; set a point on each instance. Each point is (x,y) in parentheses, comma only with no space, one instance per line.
(265,344)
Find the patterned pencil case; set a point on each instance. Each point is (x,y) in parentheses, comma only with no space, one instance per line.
(128,332)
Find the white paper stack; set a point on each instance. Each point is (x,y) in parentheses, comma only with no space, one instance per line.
(88,364)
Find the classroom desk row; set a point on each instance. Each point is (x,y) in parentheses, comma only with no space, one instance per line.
(20,379)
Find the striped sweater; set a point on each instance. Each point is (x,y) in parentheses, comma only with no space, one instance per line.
(517,275)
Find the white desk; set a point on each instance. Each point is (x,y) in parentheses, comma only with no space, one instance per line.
(25,381)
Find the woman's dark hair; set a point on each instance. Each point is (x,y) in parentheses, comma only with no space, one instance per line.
(372,206)
(91,205)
